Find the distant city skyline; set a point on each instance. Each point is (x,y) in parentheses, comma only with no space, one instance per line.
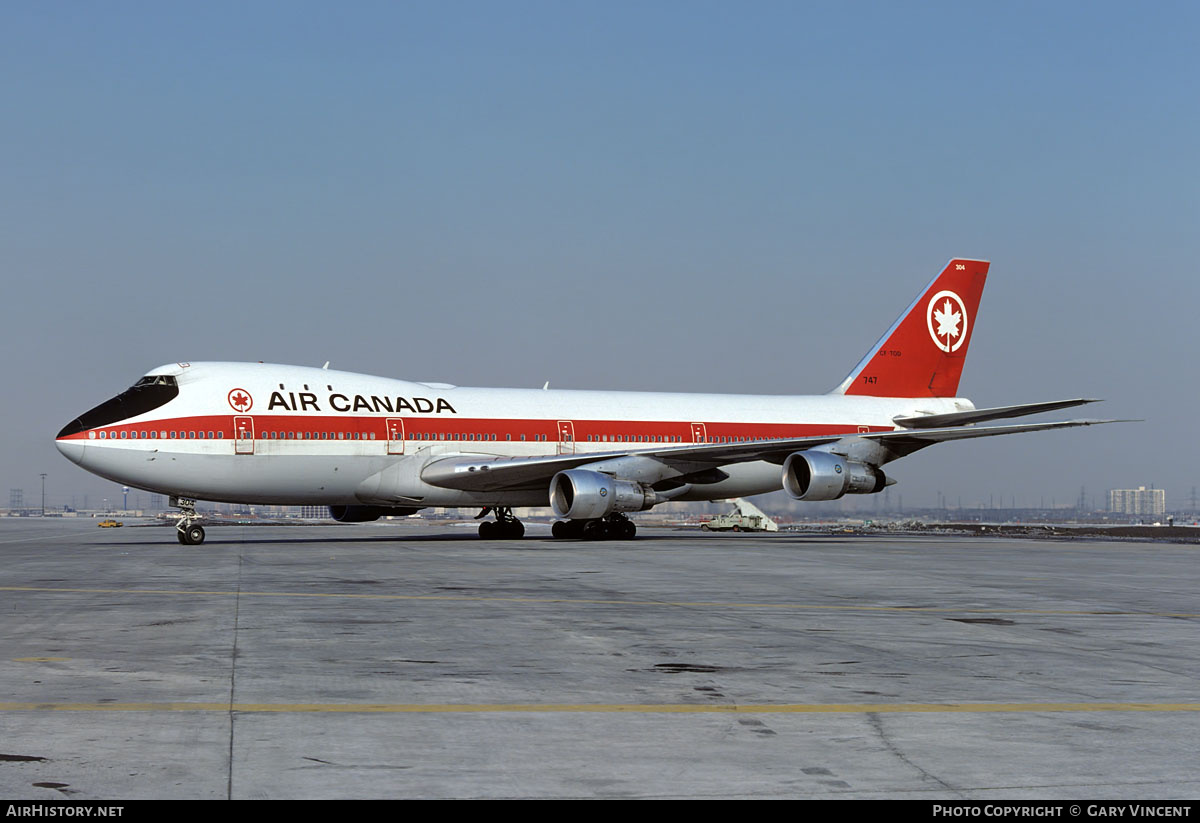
(1098,502)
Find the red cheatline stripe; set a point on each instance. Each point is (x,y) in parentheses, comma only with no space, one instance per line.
(445,427)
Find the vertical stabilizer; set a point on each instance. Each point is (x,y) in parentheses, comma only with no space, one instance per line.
(922,354)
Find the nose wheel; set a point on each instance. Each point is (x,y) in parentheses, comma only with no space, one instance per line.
(191,536)
(188,530)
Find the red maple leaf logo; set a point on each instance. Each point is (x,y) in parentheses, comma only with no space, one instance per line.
(240,400)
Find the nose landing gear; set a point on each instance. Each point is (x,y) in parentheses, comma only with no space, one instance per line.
(188,530)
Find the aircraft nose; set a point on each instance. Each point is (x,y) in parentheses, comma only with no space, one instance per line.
(72,450)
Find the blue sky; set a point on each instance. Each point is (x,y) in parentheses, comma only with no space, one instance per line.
(669,196)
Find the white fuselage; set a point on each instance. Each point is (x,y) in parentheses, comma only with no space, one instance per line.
(261,433)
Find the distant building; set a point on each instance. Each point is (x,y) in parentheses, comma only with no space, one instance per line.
(1137,501)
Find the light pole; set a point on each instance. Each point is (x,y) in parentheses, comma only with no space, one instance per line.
(43,494)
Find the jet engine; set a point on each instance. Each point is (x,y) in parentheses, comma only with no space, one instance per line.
(365,514)
(580,494)
(813,475)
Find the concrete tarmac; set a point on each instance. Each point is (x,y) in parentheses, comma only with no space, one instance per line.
(409,660)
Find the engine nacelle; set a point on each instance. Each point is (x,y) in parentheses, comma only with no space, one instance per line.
(580,494)
(813,475)
(365,514)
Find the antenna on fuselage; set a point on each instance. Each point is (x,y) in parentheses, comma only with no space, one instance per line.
(326,365)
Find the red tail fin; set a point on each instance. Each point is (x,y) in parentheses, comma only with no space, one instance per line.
(922,354)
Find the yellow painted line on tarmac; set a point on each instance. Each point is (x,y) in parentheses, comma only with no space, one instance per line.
(603,708)
(596,602)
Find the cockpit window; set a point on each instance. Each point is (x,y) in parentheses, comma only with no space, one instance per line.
(155,380)
(145,395)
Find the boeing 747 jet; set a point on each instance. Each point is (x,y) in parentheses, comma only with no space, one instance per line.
(368,447)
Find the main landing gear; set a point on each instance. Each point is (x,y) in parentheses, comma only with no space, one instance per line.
(504,527)
(614,527)
(188,530)
(507,527)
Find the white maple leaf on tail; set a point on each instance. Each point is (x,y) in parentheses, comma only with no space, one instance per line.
(947,320)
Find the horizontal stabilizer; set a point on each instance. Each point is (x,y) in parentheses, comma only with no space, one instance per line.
(964,418)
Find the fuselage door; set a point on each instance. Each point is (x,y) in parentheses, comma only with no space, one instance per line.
(566,437)
(395,435)
(243,434)
(699,432)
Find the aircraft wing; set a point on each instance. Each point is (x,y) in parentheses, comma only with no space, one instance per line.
(490,473)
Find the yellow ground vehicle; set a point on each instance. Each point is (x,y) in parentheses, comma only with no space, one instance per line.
(110,524)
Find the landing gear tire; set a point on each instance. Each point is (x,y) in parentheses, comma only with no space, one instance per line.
(504,527)
(614,527)
(191,535)
(568,529)
(621,527)
(595,530)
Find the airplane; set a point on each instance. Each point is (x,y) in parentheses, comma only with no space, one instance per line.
(369,447)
